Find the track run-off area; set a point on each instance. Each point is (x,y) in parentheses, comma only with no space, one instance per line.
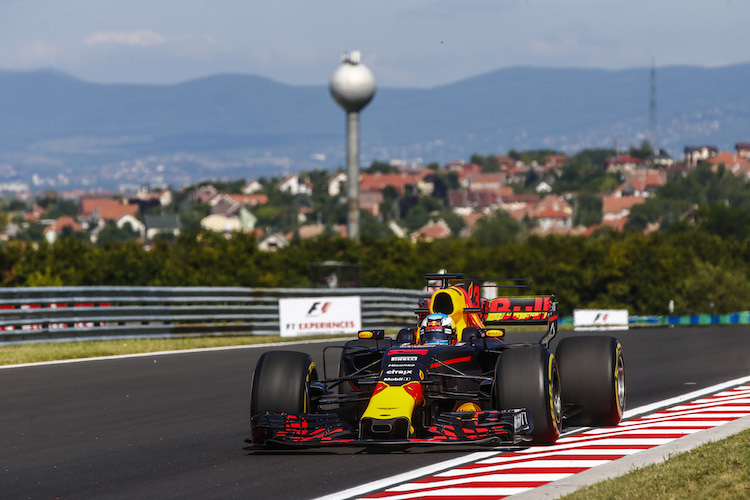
(173,425)
(515,472)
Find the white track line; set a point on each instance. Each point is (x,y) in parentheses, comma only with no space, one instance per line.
(434,469)
(166,353)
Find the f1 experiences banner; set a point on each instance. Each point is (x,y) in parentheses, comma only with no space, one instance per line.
(319,315)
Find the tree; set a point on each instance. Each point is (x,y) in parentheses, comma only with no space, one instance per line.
(643,152)
(488,163)
(724,220)
(381,167)
(113,234)
(588,210)
(501,229)
(712,289)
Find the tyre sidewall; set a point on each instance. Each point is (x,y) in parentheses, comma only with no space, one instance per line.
(527,377)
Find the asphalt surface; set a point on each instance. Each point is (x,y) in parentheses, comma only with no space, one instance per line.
(174,426)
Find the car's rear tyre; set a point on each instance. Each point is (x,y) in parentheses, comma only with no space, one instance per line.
(592,373)
(281,383)
(527,377)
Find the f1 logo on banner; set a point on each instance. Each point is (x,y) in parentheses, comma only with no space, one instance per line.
(320,316)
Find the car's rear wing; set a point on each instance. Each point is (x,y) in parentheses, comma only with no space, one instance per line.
(524,311)
(520,310)
(527,310)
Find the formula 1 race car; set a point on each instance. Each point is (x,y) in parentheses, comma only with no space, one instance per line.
(453,378)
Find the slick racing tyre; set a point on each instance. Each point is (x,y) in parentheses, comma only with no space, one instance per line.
(592,374)
(281,383)
(527,377)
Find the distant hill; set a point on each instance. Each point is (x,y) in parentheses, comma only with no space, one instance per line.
(250,126)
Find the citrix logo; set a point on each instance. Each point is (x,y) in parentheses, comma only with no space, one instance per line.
(318,308)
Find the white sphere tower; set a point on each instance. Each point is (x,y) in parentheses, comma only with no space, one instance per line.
(352,87)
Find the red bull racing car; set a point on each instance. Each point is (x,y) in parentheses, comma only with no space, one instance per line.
(452,378)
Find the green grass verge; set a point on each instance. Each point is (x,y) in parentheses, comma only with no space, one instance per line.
(53,351)
(719,470)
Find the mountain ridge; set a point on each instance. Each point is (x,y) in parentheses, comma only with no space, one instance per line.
(51,121)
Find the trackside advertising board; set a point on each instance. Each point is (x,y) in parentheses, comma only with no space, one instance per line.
(319,315)
(600,319)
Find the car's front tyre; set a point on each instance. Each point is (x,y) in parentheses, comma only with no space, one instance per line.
(281,383)
(528,377)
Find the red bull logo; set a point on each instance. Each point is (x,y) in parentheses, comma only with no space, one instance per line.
(517,316)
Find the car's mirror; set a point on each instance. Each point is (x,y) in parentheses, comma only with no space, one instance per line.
(371,334)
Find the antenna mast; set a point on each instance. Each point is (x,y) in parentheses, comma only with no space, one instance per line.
(653,128)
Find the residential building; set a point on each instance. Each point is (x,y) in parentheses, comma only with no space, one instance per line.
(743,150)
(553,214)
(273,242)
(437,230)
(221,224)
(295,184)
(616,208)
(642,182)
(336,184)
(739,166)
(95,212)
(694,154)
(622,163)
(252,187)
(161,224)
(54,230)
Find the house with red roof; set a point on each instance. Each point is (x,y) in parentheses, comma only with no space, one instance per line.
(642,182)
(736,164)
(616,209)
(493,181)
(555,162)
(462,198)
(553,214)
(55,230)
(105,209)
(622,163)
(431,231)
(506,162)
(35,214)
(401,182)
(520,205)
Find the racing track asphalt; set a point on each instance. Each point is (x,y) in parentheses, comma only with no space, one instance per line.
(172,426)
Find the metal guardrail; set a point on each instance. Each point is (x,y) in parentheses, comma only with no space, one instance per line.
(97,312)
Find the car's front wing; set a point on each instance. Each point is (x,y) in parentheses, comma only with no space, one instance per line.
(481,428)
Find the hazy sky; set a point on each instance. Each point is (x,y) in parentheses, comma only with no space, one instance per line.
(419,43)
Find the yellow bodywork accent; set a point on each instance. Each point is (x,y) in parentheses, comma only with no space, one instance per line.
(468,407)
(391,402)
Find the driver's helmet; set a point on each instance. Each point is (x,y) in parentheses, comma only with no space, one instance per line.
(437,329)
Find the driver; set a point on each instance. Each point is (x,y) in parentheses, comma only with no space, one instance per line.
(437,329)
